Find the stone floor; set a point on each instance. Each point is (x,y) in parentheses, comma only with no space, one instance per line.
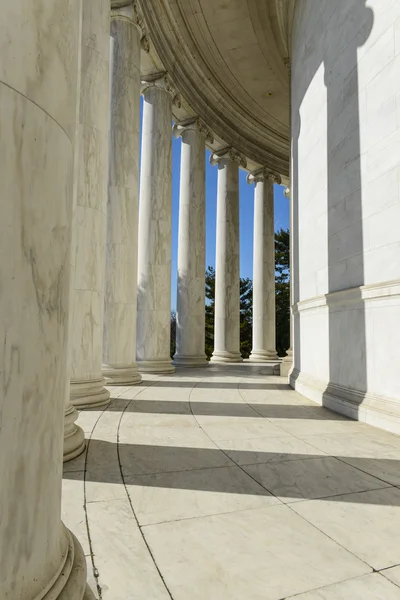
(225,484)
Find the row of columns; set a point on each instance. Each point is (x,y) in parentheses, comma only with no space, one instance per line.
(120,324)
(135,334)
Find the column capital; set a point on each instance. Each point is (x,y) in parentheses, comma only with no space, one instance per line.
(228,154)
(195,124)
(263,175)
(161,81)
(122,10)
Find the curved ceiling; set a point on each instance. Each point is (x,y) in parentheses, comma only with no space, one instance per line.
(229,61)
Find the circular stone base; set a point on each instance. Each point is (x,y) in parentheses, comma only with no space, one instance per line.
(263,356)
(89,394)
(190,361)
(74,438)
(127,375)
(71,581)
(226,357)
(156,366)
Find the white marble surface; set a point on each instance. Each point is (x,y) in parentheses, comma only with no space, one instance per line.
(264,345)
(119,341)
(227,262)
(190,312)
(223,518)
(87,383)
(345,90)
(38,88)
(155,225)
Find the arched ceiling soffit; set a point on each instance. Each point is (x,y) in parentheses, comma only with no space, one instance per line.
(228,60)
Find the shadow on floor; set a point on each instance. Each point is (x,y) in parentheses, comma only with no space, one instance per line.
(304,476)
(217,385)
(226,409)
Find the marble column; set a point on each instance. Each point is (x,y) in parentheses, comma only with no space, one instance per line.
(155,215)
(87,381)
(287,361)
(39,557)
(264,319)
(190,313)
(227,264)
(119,354)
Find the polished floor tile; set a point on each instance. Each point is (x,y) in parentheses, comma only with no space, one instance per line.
(368,587)
(189,494)
(365,523)
(292,481)
(263,554)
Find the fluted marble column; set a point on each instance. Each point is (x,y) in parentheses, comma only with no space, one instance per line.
(119,353)
(155,215)
(264,320)
(227,264)
(39,557)
(87,381)
(190,313)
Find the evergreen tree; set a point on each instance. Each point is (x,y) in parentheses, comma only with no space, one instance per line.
(173,333)
(282,290)
(246,302)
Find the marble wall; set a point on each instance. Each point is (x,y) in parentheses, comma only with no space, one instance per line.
(38,81)
(346,212)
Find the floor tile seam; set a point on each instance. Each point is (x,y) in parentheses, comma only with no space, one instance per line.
(341,458)
(333,496)
(243,470)
(388,568)
(217,514)
(96,574)
(92,560)
(275,424)
(323,587)
(285,460)
(195,469)
(291,506)
(150,553)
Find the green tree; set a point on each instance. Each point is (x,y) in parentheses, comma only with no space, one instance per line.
(173,333)
(282,290)
(210,298)
(246,302)
(246,316)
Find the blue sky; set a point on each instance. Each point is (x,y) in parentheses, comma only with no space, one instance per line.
(246,192)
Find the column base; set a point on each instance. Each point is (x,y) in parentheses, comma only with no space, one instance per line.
(190,361)
(74,438)
(287,364)
(71,581)
(89,394)
(124,375)
(263,355)
(156,366)
(226,357)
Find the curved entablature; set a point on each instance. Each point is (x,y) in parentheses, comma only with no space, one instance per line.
(228,61)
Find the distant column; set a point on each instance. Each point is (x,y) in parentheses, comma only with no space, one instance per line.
(119,353)
(264,319)
(155,227)
(227,264)
(190,314)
